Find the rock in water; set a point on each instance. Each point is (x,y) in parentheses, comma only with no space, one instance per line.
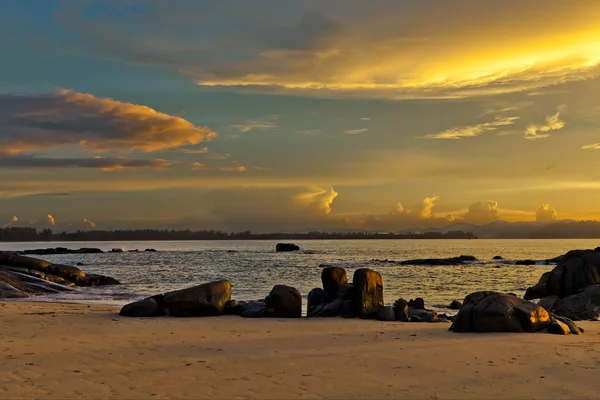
(317,296)
(455,305)
(499,312)
(497,258)
(558,328)
(368,293)
(401,310)
(199,301)
(576,270)
(286,247)
(284,302)
(333,278)
(96,280)
(149,307)
(386,314)
(417,303)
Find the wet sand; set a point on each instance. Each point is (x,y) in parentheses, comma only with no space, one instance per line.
(54,350)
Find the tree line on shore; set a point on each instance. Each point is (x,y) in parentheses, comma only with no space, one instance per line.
(27,234)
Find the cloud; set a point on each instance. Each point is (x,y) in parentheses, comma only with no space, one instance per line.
(595,146)
(236,168)
(545,214)
(365,119)
(310,132)
(67,118)
(537,131)
(355,131)
(354,48)
(91,224)
(104,164)
(14,218)
(316,198)
(201,150)
(481,213)
(51,219)
(473,130)
(248,126)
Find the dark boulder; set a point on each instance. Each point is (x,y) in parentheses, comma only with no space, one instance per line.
(254,309)
(65,271)
(574,329)
(96,280)
(284,302)
(333,309)
(151,250)
(525,262)
(199,301)
(149,307)
(317,296)
(386,313)
(401,310)
(348,309)
(233,307)
(499,312)
(15,260)
(346,292)
(315,311)
(286,247)
(417,303)
(548,302)
(423,315)
(497,258)
(584,305)
(441,261)
(576,270)
(18,285)
(558,328)
(455,305)
(368,293)
(333,278)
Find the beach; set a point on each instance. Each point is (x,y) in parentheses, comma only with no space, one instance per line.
(62,350)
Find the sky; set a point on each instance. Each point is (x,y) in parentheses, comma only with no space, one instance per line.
(287,116)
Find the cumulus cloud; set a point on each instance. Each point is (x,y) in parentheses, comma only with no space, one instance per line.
(67,118)
(51,219)
(538,131)
(545,214)
(316,198)
(473,130)
(14,218)
(482,213)
(355,131)
(356,48)
(91,224)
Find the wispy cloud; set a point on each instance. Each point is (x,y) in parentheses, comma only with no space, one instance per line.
(595,146)
(310,132)
(365,119)
(355,131)
(260,125)
(473,130)
(201,150)
(51,219)
(538,131)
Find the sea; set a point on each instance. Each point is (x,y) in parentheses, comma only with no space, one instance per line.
(253,266)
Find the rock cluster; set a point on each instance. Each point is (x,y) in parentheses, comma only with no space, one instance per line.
(502,312)
(22,276)
(572,288)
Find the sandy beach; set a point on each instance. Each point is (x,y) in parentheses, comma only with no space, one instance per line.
(79,351)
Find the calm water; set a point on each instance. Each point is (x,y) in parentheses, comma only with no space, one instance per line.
(254,267)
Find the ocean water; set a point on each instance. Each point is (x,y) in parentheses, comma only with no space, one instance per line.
(254,267)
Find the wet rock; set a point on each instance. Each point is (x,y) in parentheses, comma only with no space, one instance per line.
(149,307)
(417,303)
(199,301)
(348,309)
(557,327)
(286,247)
(499,312)
(386,314)
(96,280)
(317,296)
(333,309)
(455,305)
(284,302)
(333,278)
(18,285)
(368,293)
(401,310)
(584,305)
(441,261)
(525,262)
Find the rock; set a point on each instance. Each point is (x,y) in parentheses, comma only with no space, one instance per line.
(348,309)
(574,329)
(286,247)
(333,278)
(79,264)
(576,270)
(151,250)
(497,258)
(254,309)
(415,318)
(525,262)
(333,309)
(401,310)
(368,293)
(149,307)
(455,305)
(558,328)
(423,315)
(317,296)
(386,314)
(18,285)
(61,250)
(199,301)
(440,261)
(65,271)
(584,305)
(548,302)
(15,260)
(284,302)
(499,312)
(417,303)
(96,280)
(315,311)
(116,251)
(346,292)
(233,307)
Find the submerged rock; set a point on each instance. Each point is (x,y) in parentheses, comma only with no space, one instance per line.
(286,247)
(455,305)
(441,261)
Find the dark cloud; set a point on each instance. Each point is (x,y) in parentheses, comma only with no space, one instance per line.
(105,164)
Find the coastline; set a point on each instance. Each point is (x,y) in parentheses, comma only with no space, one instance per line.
(58,350)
